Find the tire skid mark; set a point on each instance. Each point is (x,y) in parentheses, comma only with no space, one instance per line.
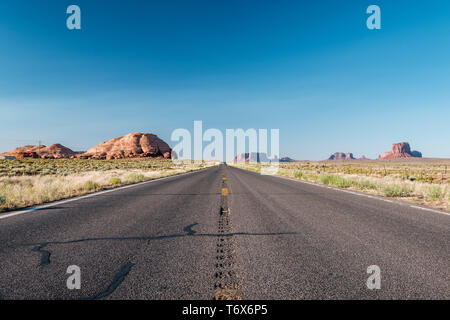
(118,278)
(227,285)
(188,229)
(45,254)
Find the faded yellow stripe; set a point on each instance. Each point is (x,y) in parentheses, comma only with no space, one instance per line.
(231,293)
(224,191)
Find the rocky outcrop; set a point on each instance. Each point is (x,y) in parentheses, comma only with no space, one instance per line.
(26,155)
(55,151)
(416,154)
(252,157)
(341,156)
(28,151)
(287,159)
(400,150)
(133,145)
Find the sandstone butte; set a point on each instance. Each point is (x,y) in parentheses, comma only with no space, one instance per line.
(400,150)
(132,145)
(252,157)
(341,156)
(287,159)
(259,157)
(55,151)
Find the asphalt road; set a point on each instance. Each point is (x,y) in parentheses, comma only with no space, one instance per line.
(200,236)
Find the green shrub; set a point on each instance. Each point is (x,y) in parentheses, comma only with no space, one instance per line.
(396,190)
(299,175)
(2,200)
(91,185)
(366,185)
(136,177)
(49,194)
(325,178)
(427,179)
(335,180)
(435,193)
(115,181)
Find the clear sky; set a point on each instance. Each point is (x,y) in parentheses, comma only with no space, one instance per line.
(309,68)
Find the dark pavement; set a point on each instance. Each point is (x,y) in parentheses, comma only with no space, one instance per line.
(278,239)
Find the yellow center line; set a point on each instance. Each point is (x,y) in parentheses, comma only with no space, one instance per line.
(224,191)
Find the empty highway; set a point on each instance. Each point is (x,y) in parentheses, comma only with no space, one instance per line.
(225,233)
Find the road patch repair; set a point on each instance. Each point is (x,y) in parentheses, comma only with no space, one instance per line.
(227,285)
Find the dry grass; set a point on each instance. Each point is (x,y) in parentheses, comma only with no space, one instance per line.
(61,167)
(421,181)
(19,191)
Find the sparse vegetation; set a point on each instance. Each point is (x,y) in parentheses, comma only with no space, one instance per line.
(335,180)
(299,174)
(63,167)
(31,182)
(91,185)
(135,177)
(396,190)
(422,181)
(115,181)
(435,193)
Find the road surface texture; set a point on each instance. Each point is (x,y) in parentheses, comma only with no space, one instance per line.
(225,233)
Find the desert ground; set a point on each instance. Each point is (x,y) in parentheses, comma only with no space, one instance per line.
(418,180)
(29,182)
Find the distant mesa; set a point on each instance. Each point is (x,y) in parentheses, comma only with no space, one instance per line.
(287,159)
(252,157)
(255,157)
(400,150)
(341,156)
(345,156)
(416,154)
(132,145)
(147,145)
(55,151)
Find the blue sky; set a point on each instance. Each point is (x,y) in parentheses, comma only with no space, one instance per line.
(309,68)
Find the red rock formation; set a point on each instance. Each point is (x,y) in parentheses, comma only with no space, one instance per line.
(400,150)
(341,156)
(133,145)
(23,151)
(252,156)
(55,151)
(25,154)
